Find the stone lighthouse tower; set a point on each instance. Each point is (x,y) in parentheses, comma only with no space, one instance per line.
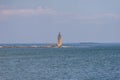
(59,44)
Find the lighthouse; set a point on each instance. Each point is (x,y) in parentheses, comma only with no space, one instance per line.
(59,44)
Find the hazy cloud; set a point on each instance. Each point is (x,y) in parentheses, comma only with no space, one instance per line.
(94,16)
(36,11)
(60,16)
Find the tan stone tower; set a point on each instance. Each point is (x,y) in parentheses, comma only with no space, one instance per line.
(59,44)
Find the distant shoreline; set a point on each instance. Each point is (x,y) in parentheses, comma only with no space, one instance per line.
(65,45)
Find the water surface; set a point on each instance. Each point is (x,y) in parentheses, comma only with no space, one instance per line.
(81,62)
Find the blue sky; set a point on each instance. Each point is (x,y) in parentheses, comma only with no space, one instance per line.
(39,21)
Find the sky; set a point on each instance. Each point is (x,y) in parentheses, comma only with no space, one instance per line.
(40,21)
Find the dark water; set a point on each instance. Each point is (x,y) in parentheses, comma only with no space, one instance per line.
(81,62)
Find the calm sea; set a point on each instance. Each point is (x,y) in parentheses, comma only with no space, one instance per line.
(85,61)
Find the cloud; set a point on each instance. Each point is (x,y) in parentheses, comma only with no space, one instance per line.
(96,16)
(60,17)
(7,11)
(111,15)
(36,11)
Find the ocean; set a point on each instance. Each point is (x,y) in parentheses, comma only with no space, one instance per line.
(78,61)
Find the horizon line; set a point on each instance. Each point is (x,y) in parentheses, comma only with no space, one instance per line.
(63,43)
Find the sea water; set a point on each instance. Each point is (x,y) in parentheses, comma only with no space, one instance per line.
(78,62)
